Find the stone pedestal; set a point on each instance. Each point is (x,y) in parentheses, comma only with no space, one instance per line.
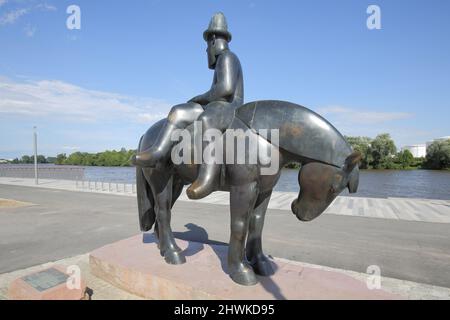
(47,284)
(137,267)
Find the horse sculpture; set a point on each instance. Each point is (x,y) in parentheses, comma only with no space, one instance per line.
(328,166)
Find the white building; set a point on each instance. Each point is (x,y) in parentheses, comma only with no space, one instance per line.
(417,150)
(438,139)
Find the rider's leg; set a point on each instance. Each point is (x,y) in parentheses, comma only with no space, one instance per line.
(179,118)
(217,115)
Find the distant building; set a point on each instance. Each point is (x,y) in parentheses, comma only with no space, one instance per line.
(417,150)
(438,139)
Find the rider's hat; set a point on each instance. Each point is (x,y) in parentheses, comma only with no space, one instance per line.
(218,25)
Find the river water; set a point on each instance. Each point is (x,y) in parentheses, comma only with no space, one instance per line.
(426,184)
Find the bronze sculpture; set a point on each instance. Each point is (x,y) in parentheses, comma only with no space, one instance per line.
(215,108)
(329,164)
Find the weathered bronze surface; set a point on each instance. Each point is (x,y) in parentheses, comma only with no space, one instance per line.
(328,163)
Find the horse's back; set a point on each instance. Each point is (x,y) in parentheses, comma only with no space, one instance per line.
(301,131)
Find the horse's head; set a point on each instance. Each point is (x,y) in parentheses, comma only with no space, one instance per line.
(320,184)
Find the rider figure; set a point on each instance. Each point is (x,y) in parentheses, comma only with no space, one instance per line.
(215,108)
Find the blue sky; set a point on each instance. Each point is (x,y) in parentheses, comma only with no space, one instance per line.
(100,87)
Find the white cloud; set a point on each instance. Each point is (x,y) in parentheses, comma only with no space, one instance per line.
(363,117)
(46,7)
(58,99)
(71,148)
(13,16)
(30,31)
(150,117)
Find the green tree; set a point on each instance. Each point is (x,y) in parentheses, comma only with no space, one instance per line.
(438,155)
(418,163)
(405,159)
(26,159)
(75,159)
(61,158)
(40,159)
(106,158)
(51,159)
(363,145)
(382,150)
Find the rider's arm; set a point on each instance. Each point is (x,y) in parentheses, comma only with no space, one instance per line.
(225,85)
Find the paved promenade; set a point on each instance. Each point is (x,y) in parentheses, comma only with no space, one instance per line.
(38,225)
(424,210)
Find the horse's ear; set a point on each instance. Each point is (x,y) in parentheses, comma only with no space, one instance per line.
(351,161)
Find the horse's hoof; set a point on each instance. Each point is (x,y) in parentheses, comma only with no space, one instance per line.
(174,257)
(245,277)
(263,267)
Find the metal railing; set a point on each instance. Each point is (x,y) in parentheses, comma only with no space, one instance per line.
(75,174)
(106,186)
(44,172)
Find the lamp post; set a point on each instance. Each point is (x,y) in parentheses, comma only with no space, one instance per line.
(35,156)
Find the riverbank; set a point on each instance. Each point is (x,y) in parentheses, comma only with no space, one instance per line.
(422,184)
(419,210)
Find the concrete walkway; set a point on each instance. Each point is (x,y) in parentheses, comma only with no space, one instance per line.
(38,225)
(424,210)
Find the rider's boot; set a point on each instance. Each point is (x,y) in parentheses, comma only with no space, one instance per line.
(207,181)
(160,149)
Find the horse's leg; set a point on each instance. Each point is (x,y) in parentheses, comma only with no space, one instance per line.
(177,189)
(162,190)
(254,251)
(242,201)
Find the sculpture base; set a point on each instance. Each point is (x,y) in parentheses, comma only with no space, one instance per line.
(46,284)
(136,266)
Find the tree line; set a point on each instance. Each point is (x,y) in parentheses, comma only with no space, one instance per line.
(30,159)
(109,158)
(378,153)
(381,153)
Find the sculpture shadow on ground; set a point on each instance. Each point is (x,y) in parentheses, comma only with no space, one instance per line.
(197,237)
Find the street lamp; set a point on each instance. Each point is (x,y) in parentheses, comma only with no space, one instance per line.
(35,156)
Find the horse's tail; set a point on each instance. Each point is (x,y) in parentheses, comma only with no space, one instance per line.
(145,200)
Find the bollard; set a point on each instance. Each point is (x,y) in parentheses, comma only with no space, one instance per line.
(109,186)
